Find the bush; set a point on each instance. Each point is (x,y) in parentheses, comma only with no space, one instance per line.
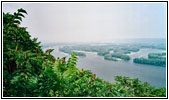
(30,72)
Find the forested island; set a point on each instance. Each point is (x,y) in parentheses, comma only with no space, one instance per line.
(119,51)
(109,57)
(70,51)
(114,56)
(30,72)
(114,52)
(157,59)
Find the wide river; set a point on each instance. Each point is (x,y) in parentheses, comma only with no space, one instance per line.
(154,75)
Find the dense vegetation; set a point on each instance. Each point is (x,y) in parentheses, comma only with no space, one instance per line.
(102,53)
(126,50)
(109,57)
(161,56)
(160,45)
(30,72)
(70,51)
(121,56)
(103,50)
(157,59)
(114,56)
(79,53)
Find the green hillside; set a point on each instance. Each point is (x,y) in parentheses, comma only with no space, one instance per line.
(30,72)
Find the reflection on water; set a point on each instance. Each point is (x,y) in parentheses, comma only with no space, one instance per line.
(106,70)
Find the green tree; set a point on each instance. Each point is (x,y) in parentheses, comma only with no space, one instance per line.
(30,72)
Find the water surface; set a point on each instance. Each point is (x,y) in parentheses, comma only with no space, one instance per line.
(154,75)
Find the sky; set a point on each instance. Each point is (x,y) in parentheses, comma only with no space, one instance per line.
(92,21)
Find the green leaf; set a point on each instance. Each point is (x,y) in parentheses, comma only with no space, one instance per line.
(22,10)
(19,14)
(19,18)
(17,21)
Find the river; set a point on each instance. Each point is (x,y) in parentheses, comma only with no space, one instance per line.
(154,75)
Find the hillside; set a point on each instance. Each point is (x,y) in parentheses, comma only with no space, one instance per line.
(30,72)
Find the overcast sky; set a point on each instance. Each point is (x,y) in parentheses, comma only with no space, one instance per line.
(92,22)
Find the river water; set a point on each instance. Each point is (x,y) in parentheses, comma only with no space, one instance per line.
(154,75)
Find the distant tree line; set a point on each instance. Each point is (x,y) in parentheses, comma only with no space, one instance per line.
(157,59)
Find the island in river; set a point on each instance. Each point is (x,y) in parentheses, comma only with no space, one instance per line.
(107,69)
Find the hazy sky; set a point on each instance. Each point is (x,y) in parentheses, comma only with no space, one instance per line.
(89,22)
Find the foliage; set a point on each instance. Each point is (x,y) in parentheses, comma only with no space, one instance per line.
(161,44)
(109,57)
(157,59)
(102,52)
(69,50)
(121,56)
(80,53)
(161,56)
(125,50)
(22,57)
(30,72)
